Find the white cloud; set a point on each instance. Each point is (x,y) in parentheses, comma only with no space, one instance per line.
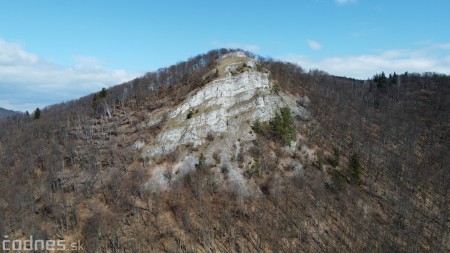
(427,59)
(235,45)
(28,81)
(11,53)
(342,2)
(314,45)
(443,46)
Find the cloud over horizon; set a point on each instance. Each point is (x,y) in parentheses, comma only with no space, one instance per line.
(235,45)
(430,58)
(28,81)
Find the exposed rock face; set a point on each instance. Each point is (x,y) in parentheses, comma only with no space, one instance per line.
(226,105)
(216,120)
(304,101)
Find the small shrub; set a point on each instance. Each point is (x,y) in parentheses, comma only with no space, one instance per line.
(216,73)
(201,163)
(215,186)
(190,114)
(257,126)
(240,157)
(319,162)
(210,136)
(224,168)
(336,157)
(164,117)
(338,181)
(259,67)
(276,88)
(355,168)
(216,157)
(254,168)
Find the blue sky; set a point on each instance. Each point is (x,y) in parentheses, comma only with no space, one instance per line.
(53,51)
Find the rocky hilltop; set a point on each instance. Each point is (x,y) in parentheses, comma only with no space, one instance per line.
(218,118)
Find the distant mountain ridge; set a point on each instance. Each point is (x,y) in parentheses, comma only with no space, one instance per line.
(5,113)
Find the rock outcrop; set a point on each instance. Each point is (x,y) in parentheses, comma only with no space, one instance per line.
(218,118)
(229,104)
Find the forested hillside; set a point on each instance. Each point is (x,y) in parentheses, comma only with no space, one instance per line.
(368,170)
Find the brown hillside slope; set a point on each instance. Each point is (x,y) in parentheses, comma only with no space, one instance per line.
(80,172)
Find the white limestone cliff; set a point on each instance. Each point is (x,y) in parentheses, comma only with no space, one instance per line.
(226,107)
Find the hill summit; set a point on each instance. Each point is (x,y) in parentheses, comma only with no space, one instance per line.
(216,120)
